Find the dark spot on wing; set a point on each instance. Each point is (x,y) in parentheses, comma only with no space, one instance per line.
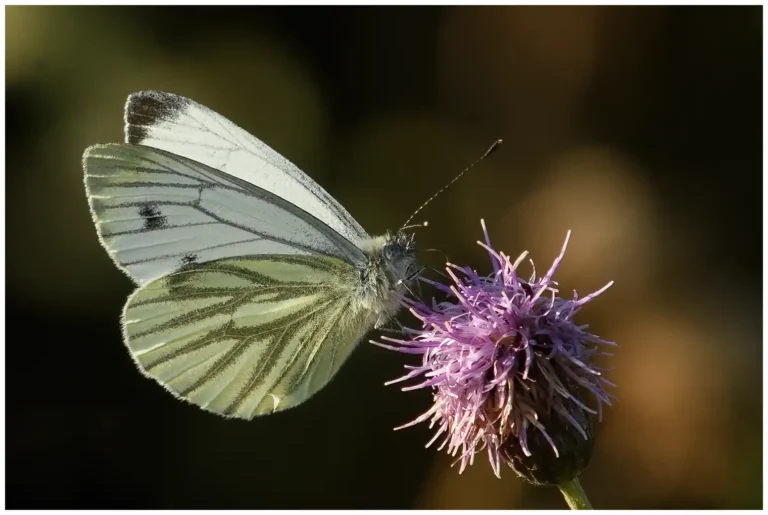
(153,217)
(188,259)
(148,108)
(178,279)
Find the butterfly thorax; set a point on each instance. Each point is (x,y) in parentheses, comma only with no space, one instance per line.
(384,276)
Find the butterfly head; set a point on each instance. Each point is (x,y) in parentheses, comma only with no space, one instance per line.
(399,253)
(392,259)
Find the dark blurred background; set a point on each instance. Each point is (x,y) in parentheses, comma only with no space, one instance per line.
(639,128)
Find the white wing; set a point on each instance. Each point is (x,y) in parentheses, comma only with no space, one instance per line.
(242,337)
(156,212)
(186,128)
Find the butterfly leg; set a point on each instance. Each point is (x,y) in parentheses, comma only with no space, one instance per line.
(403,282)
(391,329)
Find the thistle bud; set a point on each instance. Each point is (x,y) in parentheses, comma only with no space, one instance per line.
(542,466)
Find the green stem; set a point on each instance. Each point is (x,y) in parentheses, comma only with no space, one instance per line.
(574,495)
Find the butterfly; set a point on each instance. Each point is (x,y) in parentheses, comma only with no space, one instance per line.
(254,284)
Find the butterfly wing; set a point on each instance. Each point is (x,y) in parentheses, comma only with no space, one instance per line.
(246,336)
(156,212)
(186,128)
(248,298)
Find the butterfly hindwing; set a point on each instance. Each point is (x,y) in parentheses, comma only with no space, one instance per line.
(246,336)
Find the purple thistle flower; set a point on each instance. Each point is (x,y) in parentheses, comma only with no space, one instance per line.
(504,358)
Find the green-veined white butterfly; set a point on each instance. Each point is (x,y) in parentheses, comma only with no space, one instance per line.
(254,284)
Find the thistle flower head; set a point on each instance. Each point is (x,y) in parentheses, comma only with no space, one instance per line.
(509,369)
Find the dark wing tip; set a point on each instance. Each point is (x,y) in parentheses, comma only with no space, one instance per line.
(145,109)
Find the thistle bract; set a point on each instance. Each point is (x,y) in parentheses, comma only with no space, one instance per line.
(511,372)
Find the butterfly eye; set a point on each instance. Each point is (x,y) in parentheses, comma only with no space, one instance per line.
(388,252)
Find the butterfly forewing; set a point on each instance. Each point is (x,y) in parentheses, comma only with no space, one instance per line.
(184,127)
(156,211)
(241,337)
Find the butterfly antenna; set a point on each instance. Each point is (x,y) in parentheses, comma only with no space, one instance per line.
(425,223)
(430,199)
